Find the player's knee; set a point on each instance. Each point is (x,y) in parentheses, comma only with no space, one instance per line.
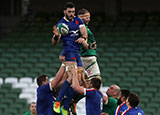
(80,70)
(70,63)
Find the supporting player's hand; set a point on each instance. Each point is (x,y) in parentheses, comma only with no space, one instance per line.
(80,40)
(104,113)
(55,31)
(92,46)
(62,58)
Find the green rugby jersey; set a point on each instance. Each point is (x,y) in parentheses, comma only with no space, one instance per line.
(111,106)
(28,113)
(91,39)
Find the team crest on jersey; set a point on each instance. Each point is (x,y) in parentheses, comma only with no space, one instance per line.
(77,22)
(74,33)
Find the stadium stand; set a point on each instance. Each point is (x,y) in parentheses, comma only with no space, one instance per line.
(128,55)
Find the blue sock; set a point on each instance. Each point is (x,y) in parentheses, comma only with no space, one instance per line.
(70,93)
(63,90)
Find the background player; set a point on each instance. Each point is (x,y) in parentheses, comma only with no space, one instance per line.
(132,103)
(94,98)
(45,93)
(110,102)
(32,109)
(122,102)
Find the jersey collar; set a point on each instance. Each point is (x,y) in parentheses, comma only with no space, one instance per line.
(67,19)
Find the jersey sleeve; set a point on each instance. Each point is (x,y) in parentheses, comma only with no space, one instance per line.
(112,101)
(59,22)
(80,22)
(46,88)
(89,92)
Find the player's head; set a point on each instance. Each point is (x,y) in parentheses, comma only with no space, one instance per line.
(42,80)
(133,100)
(33,108)
(124,93)
(84,15)
(95,83)
(113,91)
(69,10)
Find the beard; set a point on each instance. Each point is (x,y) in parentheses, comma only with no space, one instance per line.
(119,101)
(69,17)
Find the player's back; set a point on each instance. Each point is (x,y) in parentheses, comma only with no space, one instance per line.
(121,108)
(73,34)
(94,102)
(134,111)
(44,100)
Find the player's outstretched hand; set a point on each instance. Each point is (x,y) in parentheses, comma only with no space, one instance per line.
(62,58)
(55,31)
(93,45)
(80,40)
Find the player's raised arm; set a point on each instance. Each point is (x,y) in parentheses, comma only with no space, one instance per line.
(83,31)
(56,36)
(58,77)
(75,83)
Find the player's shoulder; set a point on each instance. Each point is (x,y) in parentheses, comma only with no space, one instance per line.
(91,89)
(76,17)
(78,20)
(61,21)
(112,100)
(43,87)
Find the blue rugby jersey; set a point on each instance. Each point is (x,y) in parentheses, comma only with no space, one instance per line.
(133,111)
(45,99)
(121,108)
(94,102)
(73,34)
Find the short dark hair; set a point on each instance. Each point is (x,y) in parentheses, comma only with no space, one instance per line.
(32,103)
(96,83)
(82,11)
(40,79)
(69,5)
(133,99)
(125,93)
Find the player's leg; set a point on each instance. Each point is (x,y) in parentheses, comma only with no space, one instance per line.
(69,61)
(70,92)
(91,66)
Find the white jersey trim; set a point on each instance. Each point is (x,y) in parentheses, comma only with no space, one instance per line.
(85,91)
(81,25)
(50,86)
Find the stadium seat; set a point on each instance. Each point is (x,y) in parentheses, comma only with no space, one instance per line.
(140,84)
(150,111)
(7,86)
(130,80)
(10,111)
(27,96)
(7,101)
(3,107)
(137,90)
(12,96)
(152,90)
(124,69)
(20,85)
(26,80)
(12,80)
(126,85)
(1,81)
(16,91)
